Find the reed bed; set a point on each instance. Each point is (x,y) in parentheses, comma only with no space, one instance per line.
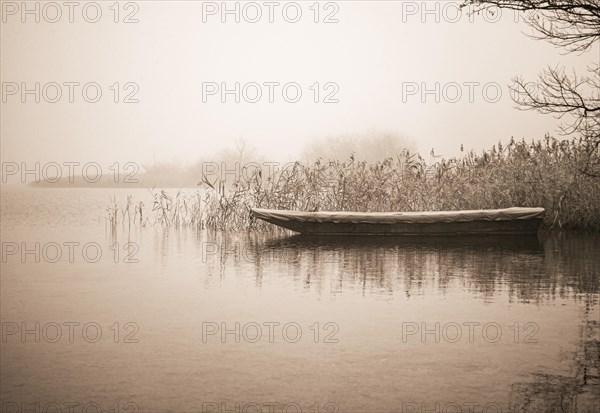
(552,174)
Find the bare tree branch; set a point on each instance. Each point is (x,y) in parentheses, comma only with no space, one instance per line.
(573,25)
(570,24)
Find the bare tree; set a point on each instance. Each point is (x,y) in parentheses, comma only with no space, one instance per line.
(573,25)
(372,146)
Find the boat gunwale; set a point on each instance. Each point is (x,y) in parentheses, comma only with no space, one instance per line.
(383,218)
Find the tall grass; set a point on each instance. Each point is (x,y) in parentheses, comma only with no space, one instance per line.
(551,174)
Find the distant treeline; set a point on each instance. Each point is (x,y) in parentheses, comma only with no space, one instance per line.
(224,165)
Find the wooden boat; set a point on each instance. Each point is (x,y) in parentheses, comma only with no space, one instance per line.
(509,221)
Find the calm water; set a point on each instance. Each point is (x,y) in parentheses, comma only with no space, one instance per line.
(367,325)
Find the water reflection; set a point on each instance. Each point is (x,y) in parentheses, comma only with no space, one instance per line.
(368,286)
(579,392)
(530,269)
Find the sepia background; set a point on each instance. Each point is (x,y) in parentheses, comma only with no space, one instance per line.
(152,289)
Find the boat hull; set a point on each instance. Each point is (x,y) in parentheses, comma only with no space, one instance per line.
(491,222)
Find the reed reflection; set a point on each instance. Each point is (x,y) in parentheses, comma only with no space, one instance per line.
(530,269)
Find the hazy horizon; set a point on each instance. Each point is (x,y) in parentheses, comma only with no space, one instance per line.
(375,54)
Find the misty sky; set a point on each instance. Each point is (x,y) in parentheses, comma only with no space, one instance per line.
(372,54)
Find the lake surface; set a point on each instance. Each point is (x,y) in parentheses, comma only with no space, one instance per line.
(154,320)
